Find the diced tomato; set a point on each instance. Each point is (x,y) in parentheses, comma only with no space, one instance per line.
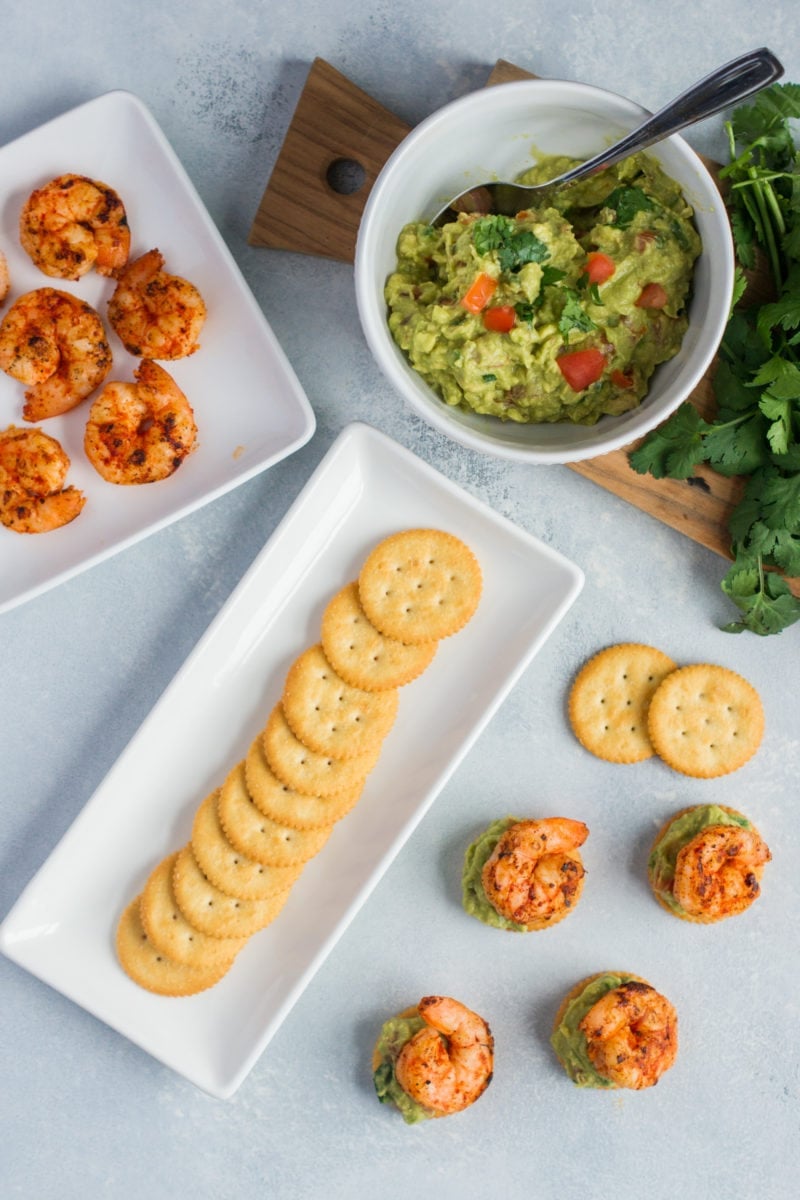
(621,380)
(501,318)
(479,293)
(652,295)
(581,368)
(599,267)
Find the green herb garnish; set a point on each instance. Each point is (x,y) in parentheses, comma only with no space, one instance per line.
(756,432)
(515,247)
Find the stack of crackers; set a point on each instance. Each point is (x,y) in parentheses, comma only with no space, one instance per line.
(305,769)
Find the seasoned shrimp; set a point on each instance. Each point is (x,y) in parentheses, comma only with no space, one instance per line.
(140,432)
(534,874)
(631,1035)
(5,278)
(56,345)
(717,872)
(448,1063)
(33,469)
(156,315)
(73,224)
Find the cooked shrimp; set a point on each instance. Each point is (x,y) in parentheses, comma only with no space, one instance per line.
(156,315)
(33,469)
(448,1063)
(73,224)
(534,874)
(717,872)
(5,278)
(140,432)
(631,1035)
(56,344)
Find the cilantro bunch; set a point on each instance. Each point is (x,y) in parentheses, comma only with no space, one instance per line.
(756,432)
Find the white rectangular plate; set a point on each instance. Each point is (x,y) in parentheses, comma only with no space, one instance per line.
(62,927)
(250,408)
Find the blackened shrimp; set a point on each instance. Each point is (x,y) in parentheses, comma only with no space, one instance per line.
(448,1063)
(534,875)
(72,224)
(33,470)
(140,432)
(56,345)
(717,873)
(631,1035)
(154,314)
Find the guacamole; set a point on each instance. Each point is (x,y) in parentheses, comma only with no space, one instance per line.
(558,314)
(394,1035)
(474,898)
(569,1042)
(680,831)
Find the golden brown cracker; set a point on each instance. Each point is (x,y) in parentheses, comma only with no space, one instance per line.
(610,697)
(151,969)
(280,802)
(226,867)
(364,657)
(302,769)
(330,716)
(420,585)
(259,837)
(169,931)
(705,720)
(213,911)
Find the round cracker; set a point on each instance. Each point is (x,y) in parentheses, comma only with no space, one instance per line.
(420,585)
(610,697)
(169,931)
(705,720)
(259,837)
(281,803)
(151,969)
(302,769)
(213,911)
(364,657)
(226,867)
(330,716)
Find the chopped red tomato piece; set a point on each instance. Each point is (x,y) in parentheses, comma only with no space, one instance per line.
(479,293)
(501,318)
(621,380)
(581,368)
(652,295)
(599,267)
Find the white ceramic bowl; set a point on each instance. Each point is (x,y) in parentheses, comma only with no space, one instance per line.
(495,134)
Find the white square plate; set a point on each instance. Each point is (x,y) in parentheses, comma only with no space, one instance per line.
(62,928)
(250,408)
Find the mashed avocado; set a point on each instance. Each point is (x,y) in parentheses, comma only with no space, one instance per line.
(569,1042)
(394,1035)
(559,314)
(474,897)
(661,864)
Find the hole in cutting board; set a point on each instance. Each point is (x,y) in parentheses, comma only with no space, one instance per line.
(345,176)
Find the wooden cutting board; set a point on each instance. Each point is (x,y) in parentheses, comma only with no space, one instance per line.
(334,149)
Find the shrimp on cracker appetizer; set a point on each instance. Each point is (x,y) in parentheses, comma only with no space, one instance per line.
(74,224)
(33,470)
(154,314)
(524,875)
(433,1060)
(706,864)
(140,432)
(56,345)
(614,1030)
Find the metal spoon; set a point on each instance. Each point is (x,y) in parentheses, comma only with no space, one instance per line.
(727,85)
